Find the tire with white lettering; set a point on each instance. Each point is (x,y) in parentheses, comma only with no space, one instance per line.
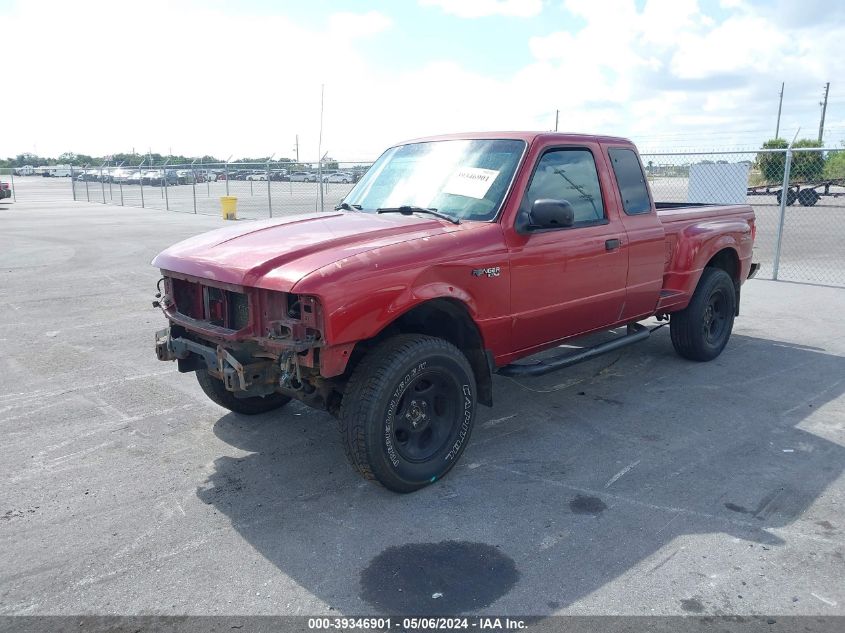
(217,392)
(407,412)
(702,329)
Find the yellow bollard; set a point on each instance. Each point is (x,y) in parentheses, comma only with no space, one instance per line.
(229,207)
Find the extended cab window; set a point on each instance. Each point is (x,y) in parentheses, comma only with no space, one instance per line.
(568,174)
(629,177)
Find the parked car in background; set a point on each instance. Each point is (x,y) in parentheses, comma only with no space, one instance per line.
(338,177)
(157,177)
(185,177)
(302,176)
(257,176)
(53,171)
(5,191)
(166,177)
(91,175)
(121,176)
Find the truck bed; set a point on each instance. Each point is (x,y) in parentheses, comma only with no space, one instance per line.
(670,212)
(709,226)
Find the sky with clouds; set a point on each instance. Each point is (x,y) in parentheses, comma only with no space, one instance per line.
(243,78)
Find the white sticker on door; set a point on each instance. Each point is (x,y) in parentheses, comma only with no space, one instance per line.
(472,182)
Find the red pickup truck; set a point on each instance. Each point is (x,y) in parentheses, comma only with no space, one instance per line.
(453,258)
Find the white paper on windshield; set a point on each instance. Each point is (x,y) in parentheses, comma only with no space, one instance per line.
(471,182)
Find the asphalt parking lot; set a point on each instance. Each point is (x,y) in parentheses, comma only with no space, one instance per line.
(637,483)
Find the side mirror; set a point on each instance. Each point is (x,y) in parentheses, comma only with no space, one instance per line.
(550,214)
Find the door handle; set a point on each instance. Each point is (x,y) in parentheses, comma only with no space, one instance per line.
(612,245)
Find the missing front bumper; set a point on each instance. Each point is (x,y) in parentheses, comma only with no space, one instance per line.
(244,380)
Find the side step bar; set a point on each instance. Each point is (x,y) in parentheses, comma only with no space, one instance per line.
(636,333)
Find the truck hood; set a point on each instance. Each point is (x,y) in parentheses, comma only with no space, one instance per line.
(275,254)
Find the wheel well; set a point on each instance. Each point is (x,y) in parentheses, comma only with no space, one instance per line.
(450,320)
(728,260)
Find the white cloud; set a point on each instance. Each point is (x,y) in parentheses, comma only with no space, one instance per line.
(358,25)
(205,80)
(98,76)
(483,8)
(667,71)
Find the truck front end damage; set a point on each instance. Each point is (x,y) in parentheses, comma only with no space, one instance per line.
(256,341)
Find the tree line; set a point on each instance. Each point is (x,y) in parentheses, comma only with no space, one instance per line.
(806,166)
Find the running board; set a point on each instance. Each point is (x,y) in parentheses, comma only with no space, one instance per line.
(636,333)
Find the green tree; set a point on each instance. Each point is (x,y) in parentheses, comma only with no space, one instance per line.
(72,158)
(835,165)
(806,166)
(771,165)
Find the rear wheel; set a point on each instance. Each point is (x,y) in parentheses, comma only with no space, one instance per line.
(217,392)
(408,411)
(808,197)
(791,197)
(702,329)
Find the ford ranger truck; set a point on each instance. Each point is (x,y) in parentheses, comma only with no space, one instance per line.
(452,259)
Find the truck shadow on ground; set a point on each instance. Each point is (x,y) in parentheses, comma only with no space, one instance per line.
(570,482)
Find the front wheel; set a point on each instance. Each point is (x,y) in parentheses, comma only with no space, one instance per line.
(808,197)
(702,329)
(408,411)
(217,392)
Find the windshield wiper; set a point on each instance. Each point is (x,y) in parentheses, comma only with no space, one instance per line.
(345,206)
(408,210)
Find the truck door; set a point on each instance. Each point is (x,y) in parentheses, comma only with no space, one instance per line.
(568,280)
(646,236)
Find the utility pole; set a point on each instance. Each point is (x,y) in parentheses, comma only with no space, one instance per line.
(557,116)
(823,104)
(296,147)
(780,106)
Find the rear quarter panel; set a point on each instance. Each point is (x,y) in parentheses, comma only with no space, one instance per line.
(694,236)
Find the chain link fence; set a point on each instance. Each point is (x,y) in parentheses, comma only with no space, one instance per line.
(799,233)
(263,190)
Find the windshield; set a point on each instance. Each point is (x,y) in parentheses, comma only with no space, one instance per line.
(464,179)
